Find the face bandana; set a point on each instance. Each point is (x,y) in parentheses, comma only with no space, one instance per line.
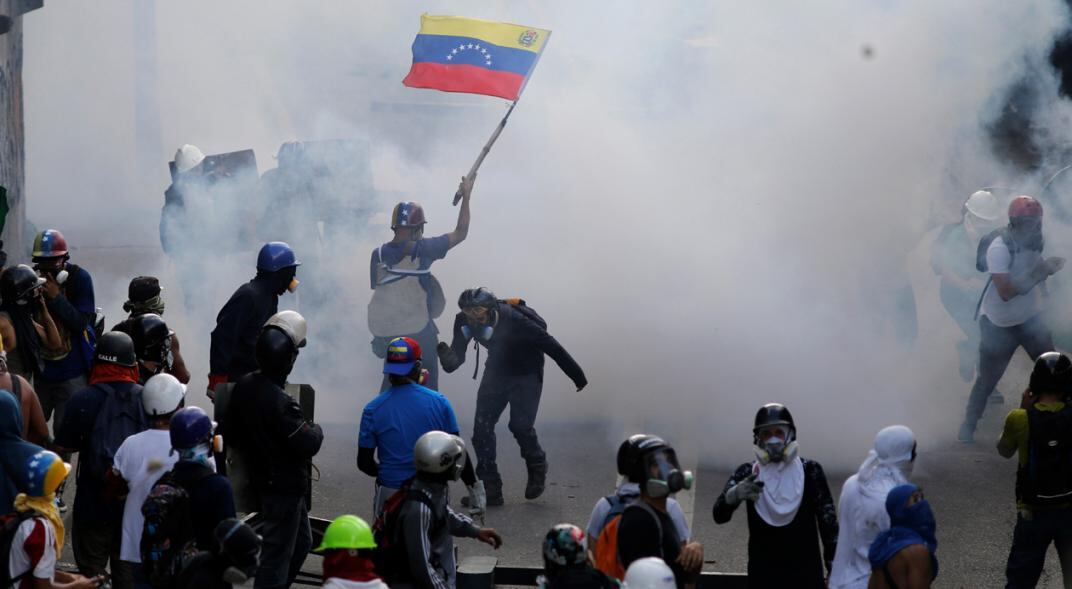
(909,525)
(154,305)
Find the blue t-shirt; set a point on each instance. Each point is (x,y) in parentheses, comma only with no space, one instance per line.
(392,422)
(428,250)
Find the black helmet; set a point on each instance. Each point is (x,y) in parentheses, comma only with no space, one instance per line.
(773,414)
(1052,374)
(632,451)
(18,283)
(116,347)
(239,544)
(276,351)
(152,338)
(477,297)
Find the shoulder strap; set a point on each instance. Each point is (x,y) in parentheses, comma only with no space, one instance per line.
(16,386)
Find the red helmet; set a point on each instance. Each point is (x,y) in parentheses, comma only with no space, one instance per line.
(1025,206)
(49,243)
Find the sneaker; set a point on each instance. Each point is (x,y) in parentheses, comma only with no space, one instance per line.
(537,480)
(967,433)
(60,504)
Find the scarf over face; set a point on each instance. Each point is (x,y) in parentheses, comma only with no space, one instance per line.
(908,525)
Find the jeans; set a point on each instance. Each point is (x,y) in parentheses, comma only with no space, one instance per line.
(287,539)
(379,497)
(522,394)
(54,396)
(1031,539)
(996,348)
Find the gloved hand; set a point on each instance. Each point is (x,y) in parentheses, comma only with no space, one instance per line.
(478,499)
(447,358)
(746,490)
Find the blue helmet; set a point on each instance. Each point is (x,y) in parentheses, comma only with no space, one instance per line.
(276,255)
(189,427)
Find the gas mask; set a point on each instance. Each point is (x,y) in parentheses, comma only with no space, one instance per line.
(58,273)
(781,447)
(1027,232)
(242,567)
(481,330)
(663,475)
(293,286)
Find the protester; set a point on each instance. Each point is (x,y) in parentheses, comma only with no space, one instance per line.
(14,453)
(211,498)
(649,573)
(38,541)
(266,425)
(645,528)
(862,507)
(953,258)
(422,529)
(99,418)
(238,325)
(152,344)
(902,557)
(232,562)
(26,324)
(139,462)
(68,293)
(1040,433)
(347,550)
(789,504)
(34,427)
(174,217)
(1011,309)
(627,493)
(144,298)
(406,296)
(516,339)
(393,421)
(565,561)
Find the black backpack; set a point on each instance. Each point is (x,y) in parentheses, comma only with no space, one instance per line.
(390,558)
(1046,478)
(519,305)
(116,420)
(984,244)
(10,525)
(167,538)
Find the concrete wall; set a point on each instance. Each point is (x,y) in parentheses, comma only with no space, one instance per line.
(12,136)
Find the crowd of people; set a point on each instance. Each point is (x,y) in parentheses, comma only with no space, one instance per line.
(157,495)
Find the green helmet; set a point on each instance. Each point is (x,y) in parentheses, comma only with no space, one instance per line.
(347,532)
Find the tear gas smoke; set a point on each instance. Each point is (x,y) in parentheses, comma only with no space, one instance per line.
(715,205)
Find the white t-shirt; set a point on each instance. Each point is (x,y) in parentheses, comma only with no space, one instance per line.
(1021,307)
(33,549)
(141,459)
(861,518)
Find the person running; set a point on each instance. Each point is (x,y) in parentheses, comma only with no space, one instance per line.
(862,507)
(1010,315)
(516,339)
(791,513)
(406,296)
(902,557)
(1039,433)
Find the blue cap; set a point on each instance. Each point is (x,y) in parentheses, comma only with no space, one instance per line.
(276,255)
(402,355)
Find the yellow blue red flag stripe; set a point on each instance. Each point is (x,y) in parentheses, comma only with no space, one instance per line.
(456,54)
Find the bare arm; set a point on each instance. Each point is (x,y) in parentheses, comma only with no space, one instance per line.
(7,332)
(37,432)
(178,364)
(1008,288)
(461,230)
(67,581)
(47,330)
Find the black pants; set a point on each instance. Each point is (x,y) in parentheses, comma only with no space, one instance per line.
(522,394)
(1031,539)
(287,540)
(996,348)
(95,541)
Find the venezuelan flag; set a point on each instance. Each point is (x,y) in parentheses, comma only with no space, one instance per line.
(456,54)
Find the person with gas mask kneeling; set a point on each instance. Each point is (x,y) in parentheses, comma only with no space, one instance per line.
(645,528)
(787,499)
(266,425)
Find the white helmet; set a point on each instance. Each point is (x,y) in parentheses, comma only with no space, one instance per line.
(984,204)
(439,452)
(291,323)
(649,573)
(162,395)
(187,157)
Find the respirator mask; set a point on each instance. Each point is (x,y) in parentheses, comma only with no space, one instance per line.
(479,325)
(57,272)
(663,475)
(775,444)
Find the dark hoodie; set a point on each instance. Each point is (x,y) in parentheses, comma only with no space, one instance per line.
(234,341)
(14,452)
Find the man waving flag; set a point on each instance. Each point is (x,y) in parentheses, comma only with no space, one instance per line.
(456,54)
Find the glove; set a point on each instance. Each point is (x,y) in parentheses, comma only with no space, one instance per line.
(478,499)
(746,490)
(447,358)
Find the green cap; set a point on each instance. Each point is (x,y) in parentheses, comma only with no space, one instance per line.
(347,532)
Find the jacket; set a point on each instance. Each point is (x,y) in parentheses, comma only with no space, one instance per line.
(431,547)
(234,341)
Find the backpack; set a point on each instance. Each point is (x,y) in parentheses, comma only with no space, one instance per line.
(400,305)
(9,525)
(984,244)
(116,420)
(390,558)
(167,538)
(519,305)
(606,555)
(1046,478)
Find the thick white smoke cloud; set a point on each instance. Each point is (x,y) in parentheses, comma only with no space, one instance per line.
(715,205)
